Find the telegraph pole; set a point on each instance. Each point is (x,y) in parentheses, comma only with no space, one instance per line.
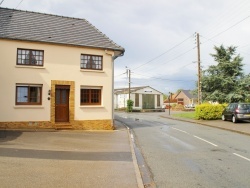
(129,76)
(199,68)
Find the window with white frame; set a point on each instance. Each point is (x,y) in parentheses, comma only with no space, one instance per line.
(28,94)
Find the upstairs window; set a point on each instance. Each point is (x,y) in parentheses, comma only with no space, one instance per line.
(92,62)
(28,94)
(30,57)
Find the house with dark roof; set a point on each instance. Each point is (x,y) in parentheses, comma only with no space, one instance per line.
(144,97)
(57,72)
(186,98)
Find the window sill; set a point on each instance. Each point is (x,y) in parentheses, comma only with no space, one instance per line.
(93,106)
(29,67)
(28,107)
(85,70)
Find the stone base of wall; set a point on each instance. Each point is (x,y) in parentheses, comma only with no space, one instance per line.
(76,125)
(93,125)
(27,125)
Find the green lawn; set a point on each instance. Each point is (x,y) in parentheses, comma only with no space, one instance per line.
(188,115)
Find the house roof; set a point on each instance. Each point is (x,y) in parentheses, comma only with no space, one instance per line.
(33,26)
(132,90)
(187,93)
(125,90)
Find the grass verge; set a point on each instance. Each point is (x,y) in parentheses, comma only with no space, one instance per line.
(188,115)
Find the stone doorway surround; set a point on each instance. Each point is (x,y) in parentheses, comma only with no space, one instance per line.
(71,84)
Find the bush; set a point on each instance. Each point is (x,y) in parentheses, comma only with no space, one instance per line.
(209,111)
(130,104)
(177,107)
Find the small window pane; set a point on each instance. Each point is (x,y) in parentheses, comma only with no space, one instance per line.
(22,94)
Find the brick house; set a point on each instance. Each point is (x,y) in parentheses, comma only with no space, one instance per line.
(57,72)
(185,97)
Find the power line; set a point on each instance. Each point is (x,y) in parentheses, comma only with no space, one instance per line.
(164,52)
(229,28)
(182,54)
(232,13)
(120,74)
(1,2)
(19,4)
(158,78)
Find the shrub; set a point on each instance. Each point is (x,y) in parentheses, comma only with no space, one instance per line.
(209,111)
(178,107)
(130,104)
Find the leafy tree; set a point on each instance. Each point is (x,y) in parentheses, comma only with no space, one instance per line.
(225,82)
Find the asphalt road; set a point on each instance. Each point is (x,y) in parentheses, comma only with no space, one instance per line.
(181,154)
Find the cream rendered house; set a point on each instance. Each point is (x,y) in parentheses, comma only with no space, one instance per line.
(56,72)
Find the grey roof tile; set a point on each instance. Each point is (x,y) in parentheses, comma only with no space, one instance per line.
(32,26)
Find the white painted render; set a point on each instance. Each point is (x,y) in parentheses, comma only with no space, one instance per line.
(120,100)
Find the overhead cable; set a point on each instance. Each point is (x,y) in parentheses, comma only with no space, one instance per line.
(164,52)
(19,4)
(1,2)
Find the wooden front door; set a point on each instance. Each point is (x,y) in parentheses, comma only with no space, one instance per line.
(62,103)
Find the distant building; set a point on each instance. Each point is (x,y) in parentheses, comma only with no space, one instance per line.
(144,97)
(183,97)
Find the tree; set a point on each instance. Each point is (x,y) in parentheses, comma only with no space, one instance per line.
(225,82)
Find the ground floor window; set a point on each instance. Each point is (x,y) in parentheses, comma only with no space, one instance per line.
(91,95)
(28,94)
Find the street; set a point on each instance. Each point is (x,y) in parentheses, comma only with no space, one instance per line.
(182,154)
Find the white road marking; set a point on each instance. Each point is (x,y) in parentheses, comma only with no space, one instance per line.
(241,156)
(180,130)
(205,141)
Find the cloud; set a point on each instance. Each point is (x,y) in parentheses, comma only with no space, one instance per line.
(150,31)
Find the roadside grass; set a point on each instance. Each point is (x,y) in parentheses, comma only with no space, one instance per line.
(188,115)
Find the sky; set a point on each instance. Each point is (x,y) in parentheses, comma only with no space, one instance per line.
(159,36)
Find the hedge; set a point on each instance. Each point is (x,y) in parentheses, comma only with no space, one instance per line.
(209,111)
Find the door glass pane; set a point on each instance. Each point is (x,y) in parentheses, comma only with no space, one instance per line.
(57,96)
(63,96)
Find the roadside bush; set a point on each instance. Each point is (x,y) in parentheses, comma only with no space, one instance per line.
(130,104)
(177,107)
(209,111)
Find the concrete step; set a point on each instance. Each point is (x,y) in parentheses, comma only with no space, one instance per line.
(63,126)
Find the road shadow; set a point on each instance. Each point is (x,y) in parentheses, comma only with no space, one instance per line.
(7,135)
(65,155)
